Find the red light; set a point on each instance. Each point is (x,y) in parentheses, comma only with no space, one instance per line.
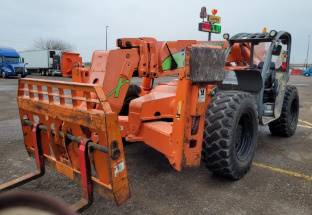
(214,12)
(205,26)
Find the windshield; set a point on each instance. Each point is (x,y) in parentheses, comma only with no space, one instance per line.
(241,52)
(12,59)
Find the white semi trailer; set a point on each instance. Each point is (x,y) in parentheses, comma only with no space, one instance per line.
(45,62)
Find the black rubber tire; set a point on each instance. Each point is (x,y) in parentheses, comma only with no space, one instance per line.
(231,125)
(3,75)
(133,92)
(34,202)
(286,124)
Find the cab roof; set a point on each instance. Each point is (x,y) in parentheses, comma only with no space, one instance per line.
(259,37)
(8,52)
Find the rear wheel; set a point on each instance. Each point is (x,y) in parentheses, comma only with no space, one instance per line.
(230,136)
(286,124)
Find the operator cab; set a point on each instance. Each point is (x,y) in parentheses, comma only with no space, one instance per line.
(260,64)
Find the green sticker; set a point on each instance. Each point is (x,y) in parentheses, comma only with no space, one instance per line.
(116,90)
(215,28)
(179,57)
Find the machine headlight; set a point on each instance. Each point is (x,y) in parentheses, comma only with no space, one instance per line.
(226,36)
(273,33)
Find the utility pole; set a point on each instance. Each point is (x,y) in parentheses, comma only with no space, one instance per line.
(209,36)
(106,30)
(308,51)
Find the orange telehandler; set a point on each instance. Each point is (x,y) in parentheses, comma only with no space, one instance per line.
(201,114)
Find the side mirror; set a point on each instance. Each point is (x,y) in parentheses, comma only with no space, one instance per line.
(277,49)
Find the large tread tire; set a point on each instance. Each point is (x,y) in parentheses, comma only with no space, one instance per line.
(286,124)
(230,115)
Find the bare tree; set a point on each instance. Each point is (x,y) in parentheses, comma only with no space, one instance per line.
(54,44)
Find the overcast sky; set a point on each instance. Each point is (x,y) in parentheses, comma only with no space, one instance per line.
(82,22)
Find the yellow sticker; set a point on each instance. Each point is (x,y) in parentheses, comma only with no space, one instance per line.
(214,19)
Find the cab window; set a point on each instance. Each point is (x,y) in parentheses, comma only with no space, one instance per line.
(279,59)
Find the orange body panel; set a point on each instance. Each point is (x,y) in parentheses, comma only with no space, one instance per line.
(69,61)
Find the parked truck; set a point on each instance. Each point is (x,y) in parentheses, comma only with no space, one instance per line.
(11,63)
(308,72)
(51,62)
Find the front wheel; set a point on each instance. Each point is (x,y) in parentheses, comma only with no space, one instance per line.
(3,75)
(230,136)
(286,124)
